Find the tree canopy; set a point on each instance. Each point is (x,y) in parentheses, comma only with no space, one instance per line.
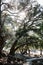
(21,25)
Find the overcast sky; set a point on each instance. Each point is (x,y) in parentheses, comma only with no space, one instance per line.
(40,2)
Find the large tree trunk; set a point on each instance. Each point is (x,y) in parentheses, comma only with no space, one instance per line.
(13,47)
(12,51)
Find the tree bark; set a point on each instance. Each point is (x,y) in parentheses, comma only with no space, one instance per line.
(41,51)
(29,52)
(12,51)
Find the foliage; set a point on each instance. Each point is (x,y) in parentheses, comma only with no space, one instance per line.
(22,25)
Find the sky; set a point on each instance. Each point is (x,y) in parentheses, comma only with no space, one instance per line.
(40,2)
